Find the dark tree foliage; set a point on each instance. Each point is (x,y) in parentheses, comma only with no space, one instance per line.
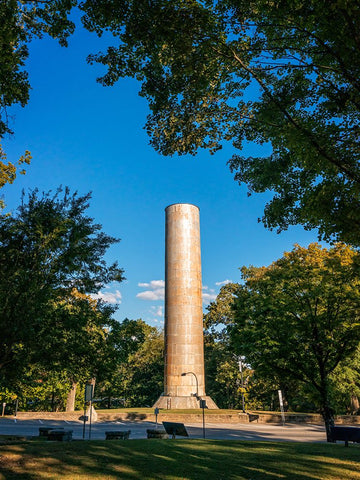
(122,340)
(145,371)
(73,337)
(51,255)
(223,380)
(299,318)
(134,365)
(285,74)
(20,21)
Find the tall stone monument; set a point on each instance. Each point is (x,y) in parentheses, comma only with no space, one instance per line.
(184,378)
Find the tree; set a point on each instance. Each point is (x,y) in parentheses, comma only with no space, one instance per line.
(283,74)
(22,20)
(40,389)
(220,312)
(223,382)
(73,349)
(145,371)
(51,255)
(223,377)
(346,378)
(8,170)
(74,340)
(134,369)
(300,318)
(122,340)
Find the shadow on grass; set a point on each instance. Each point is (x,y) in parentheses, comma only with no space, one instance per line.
(179,459)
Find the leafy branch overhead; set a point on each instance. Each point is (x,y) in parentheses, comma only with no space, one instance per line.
(8,170)
(21,21)
(282,75)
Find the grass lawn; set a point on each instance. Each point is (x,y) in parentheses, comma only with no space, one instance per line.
(178,459)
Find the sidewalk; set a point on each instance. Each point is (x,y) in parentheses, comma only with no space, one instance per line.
(191,418)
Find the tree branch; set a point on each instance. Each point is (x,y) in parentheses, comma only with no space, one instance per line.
(313,141)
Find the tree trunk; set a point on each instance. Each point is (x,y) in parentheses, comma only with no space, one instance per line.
(328,416)
(70,400)
(327,411)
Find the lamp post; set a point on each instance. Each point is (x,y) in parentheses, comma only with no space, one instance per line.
(197,383)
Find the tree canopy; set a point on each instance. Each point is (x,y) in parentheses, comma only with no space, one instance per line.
(51,257)
(282,74)
(9,170)
(300,317)
(134,367)
(22,20)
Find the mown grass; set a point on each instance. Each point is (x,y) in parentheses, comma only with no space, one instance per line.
(179,459)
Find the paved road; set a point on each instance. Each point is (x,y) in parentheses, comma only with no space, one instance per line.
(290,432)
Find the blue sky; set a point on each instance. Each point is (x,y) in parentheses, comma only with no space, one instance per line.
(91,138)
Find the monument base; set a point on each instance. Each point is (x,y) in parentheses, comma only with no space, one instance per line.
(186,403)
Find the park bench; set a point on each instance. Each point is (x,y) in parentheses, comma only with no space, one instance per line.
(346,434)
(60,435)
(118,435)
(155,433)
(55,433)
(44,431)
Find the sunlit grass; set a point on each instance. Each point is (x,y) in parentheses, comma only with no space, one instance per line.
(179,459)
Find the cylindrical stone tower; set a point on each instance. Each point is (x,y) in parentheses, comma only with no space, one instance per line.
(184,345)
(184,379)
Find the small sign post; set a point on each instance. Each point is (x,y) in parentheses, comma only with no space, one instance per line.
(156,412)
(203,406)
(88,392)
